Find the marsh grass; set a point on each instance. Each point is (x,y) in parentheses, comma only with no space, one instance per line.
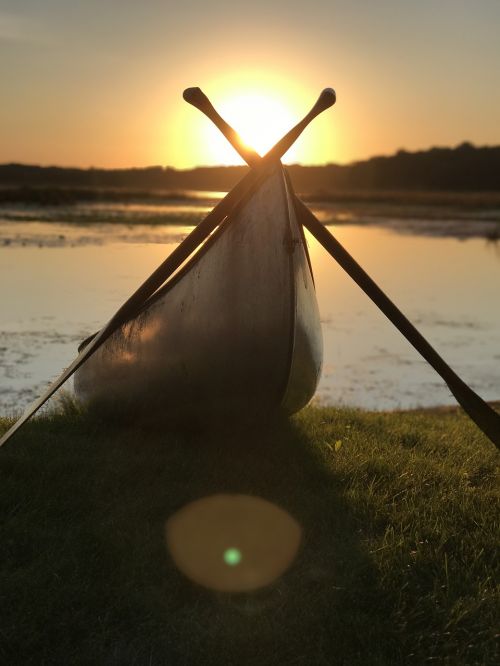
(400,519)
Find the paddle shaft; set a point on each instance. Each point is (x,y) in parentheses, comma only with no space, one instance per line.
(236,197)
(479,411)
(196,97)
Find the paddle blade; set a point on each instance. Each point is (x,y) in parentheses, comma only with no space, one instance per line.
(326,99)
(197,98)
(480,412)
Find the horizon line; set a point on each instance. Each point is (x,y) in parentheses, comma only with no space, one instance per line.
(243,165)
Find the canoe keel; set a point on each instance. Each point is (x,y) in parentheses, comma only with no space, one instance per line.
(235,333)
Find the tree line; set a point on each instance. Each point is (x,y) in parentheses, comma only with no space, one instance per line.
(463,168)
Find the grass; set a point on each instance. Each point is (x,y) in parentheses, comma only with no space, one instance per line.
(397,566)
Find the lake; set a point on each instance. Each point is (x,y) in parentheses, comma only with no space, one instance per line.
(64,270)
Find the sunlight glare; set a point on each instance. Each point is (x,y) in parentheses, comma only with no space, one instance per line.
(260,119)
(262,106)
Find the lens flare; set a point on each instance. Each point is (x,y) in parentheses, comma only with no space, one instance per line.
(232,557)
(232,543)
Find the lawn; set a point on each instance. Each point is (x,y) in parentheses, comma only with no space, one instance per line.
(397,563)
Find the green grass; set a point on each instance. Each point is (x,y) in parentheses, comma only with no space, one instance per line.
(397,566)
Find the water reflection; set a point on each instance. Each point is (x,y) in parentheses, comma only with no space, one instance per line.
(63,281)
(493,244)
(55,234)
(447,288)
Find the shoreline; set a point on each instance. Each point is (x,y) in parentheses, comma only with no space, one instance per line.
(64,195)
(451,410)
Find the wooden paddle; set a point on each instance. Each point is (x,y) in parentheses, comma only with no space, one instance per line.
(236,197)
(479,411)
(196,97)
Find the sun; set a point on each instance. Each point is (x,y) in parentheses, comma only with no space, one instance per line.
(261,105)
(260,119)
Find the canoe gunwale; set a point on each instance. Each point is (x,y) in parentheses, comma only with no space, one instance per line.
(290,241)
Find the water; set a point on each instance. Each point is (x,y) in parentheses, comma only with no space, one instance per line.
(447,288)
(64,271)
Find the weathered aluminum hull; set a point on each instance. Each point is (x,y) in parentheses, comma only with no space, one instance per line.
(237,331)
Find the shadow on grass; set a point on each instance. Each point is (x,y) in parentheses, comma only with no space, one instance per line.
(87,578)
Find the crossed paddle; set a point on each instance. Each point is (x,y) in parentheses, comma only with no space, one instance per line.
(479,411)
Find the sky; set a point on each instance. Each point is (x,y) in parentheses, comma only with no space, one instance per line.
(99,83)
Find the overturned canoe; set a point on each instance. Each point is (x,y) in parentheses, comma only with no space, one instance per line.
(235,331)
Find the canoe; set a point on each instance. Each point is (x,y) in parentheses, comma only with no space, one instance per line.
(235,332)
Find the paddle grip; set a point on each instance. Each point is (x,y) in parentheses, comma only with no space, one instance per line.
(196,97)
(326,99)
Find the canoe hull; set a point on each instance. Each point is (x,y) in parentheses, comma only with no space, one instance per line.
(235,332)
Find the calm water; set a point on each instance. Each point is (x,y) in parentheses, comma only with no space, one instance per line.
(61,278)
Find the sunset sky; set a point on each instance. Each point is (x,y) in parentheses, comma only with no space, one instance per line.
(99,82)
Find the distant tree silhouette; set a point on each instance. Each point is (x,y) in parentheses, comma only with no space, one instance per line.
(464,168)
